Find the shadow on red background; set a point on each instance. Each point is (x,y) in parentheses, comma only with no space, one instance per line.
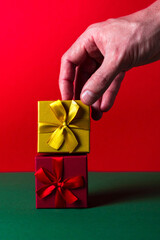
(34,35)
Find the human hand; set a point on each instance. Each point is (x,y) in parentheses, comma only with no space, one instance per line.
(99,58)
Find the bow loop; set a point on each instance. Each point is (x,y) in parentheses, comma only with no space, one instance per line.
(59,111)
(57,138)
(73,110)
(45,176)
(45,191)
(74,182)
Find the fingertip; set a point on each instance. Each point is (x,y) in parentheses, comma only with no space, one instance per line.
(106,107)
(96,114)
(107,101)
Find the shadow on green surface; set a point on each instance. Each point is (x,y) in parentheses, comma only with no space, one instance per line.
(123,194)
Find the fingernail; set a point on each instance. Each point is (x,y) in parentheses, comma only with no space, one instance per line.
(88,97)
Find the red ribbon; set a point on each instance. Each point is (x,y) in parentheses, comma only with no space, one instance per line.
(53,182)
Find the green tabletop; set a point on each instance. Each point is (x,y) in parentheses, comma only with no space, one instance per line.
(121,206)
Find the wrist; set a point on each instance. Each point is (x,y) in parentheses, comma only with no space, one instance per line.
(152,15)
(145,25)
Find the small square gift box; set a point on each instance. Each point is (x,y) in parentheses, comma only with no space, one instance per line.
(63,127)
(61,181)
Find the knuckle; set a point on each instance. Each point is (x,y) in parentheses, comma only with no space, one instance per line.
(92,26)
(64,57)
(110,20)
(104,82)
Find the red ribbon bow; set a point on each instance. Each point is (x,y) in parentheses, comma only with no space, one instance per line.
(53,182)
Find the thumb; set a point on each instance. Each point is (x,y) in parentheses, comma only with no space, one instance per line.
(98,83)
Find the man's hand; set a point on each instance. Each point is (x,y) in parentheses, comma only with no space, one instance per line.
(99,58)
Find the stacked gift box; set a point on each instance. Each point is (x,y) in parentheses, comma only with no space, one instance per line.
(61,162)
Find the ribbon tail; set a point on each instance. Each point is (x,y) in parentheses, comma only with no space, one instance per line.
(57,138)
(70,140)
(69,196)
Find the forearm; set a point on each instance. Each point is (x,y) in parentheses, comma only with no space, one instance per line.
(155,8)
(152,13)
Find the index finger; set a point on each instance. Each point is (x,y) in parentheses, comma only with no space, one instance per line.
(72,58)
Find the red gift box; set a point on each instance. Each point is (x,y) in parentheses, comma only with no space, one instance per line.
(61,181)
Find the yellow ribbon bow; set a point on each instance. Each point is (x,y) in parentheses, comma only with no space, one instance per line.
(62,131)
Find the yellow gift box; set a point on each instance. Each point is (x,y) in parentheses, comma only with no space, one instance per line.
(63,127)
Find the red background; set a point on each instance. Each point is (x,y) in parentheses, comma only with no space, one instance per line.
(33,36)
